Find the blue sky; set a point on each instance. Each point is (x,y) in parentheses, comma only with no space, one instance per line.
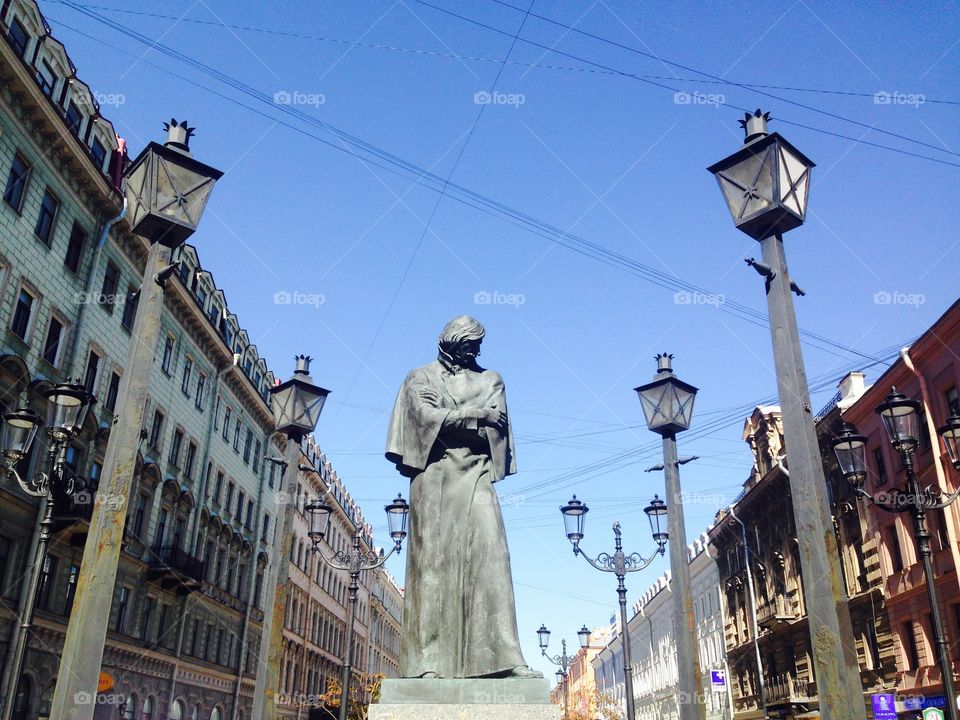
(585,135)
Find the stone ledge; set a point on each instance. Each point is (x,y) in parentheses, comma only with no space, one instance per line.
(464,712)
(465,691)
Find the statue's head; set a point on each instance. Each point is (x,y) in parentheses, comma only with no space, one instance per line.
(460,341)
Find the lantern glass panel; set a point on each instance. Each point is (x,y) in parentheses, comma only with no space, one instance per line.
(560,677)
(667,405)
(748,185)
(19,430)
(574,514)
(584,635)
(794,179)
(543,637)
(297,406)
(397,513)
(67,407)
(657,514)
(320,514)
(951,438)
(900,419)
(851,452)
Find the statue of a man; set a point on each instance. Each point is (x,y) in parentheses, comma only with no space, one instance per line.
(451,435)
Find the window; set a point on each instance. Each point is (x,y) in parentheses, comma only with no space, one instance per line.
(139,515)
(75,248)
(198,399)
(247,446)
(22,314)
(219,486)
(16,183)
(236,435)
(47,574)
(98,152)
(256,457)
(46,78)
(108,292)
(93,369)
(893,548)
(162,624)
(953,401)
(185,382)
(18,37)
(123,602)
(249,523)
(51,344)
(226,423)
(113,391)
(148,607)
(148,709)
(908,640)
(265,535)
(167,354)
(156,429)
(72,576)
(174,456)
(73,117)
(881,467)
(161,527)
(240,498)
(206,641)
(130,304)
(216,414)
(191,459)
(228,504)
(47,217)
(130,708)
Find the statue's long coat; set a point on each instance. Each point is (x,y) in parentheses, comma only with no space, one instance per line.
(459,614)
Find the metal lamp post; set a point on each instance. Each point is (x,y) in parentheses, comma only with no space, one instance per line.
(765,184)
(297,404)
(166,192)
(562,660)
(574,515)
(667,405)
(900,419)
(355,561)
(67,407)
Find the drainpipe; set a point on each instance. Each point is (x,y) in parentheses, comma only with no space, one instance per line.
(88,280)
(761,683)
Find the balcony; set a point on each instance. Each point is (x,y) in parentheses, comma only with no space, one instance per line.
(175,568)
(774,612)
(785,688)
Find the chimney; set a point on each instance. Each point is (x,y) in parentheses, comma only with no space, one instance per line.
(852,386)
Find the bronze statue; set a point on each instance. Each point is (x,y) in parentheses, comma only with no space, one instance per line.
(450,434)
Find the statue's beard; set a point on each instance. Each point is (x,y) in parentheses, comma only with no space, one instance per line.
(461,357)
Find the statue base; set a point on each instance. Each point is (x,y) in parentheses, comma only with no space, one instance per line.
(465,699)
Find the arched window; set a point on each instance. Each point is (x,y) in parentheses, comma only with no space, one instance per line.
(176,710)
(215,714)
(147,709)
(130,707)
(21,702)
(196,713)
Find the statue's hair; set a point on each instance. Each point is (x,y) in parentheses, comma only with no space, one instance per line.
(459,329)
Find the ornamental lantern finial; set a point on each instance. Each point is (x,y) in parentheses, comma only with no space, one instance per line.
(755,125)
(178,135)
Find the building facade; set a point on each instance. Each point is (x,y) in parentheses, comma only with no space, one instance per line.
(188,608)
(757,550)
(928,371)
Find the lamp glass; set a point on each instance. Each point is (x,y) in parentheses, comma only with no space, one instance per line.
(657,514)
(584,635)
(560,677)
(900,417)
(397,513)
(320,514)
(297,406)
(851,452)
(19,429)
(574,514)
(67,406)
(951,438)
(667,404)
(543,637)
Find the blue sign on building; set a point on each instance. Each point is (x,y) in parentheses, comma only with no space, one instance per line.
(883,706)
(719,679)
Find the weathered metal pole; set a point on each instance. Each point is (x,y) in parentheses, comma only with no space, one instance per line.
(75,695)
(831,637)
(346,674)
(268,675)
(688,657)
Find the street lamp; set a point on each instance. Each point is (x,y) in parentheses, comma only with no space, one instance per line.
(667,405)
(574,515)
(900,416)
(355,561)
(67,406)
(562,660)
(297,404)
(166,191)
(765,185)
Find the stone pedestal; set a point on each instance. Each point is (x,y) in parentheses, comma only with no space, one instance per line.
(465,699)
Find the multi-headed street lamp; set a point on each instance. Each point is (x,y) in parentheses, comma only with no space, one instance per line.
(900,416)
(355,561)
(766,185)
(67,408)
(574,515)
(562,660)
(668,408)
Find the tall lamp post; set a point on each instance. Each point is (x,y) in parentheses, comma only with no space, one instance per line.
(355,561)
(297,404)
(900,419)
(67,407)
(166,193)
(667,405)
(574,515)
(562,660)
(765,184)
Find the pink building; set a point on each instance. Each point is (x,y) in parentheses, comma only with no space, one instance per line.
(929,371)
